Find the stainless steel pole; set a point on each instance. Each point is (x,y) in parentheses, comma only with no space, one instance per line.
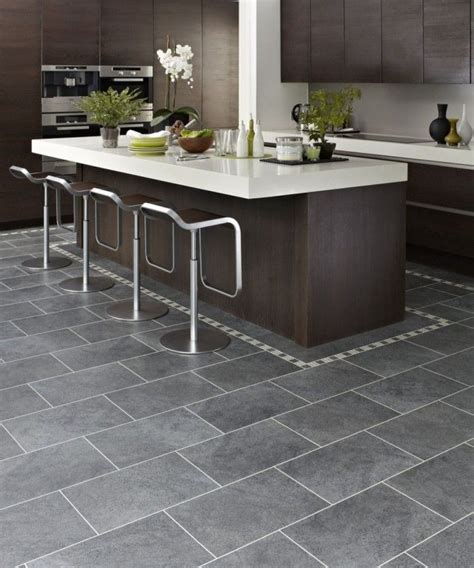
(193,278)
(85,241)
(136,261)
(45,228)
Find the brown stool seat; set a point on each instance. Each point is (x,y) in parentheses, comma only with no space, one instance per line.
(136,200)
(196,215)
(83,187)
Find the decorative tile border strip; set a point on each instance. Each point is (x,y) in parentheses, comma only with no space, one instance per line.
(440,280)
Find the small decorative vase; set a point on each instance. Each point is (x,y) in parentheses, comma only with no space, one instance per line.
(453,139)
(110,137)
(464,128)
(440,127)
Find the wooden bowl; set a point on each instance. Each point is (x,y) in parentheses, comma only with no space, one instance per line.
(196,145)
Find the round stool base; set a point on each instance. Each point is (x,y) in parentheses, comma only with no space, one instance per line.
(96,284)
(54,263)
(148,310)
(208,340)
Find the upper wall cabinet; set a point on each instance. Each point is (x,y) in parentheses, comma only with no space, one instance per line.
(402,41)
(71,32)
(472,41)
(127,32)
(327,40)
(295,40)
(447,48)
(363,40)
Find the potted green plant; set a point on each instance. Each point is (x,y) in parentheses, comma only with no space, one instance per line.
(327,112)
(110,109)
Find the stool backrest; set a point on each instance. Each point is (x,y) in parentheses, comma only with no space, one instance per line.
(23,173)
(59,183)
(101,197)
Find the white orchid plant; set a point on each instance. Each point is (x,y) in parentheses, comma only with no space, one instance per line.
(176,61)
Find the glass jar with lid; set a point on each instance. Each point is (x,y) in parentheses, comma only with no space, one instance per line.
(289,149)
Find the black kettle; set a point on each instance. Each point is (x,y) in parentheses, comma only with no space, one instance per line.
(299,111)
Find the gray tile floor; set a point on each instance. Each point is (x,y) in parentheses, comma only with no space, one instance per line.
(113,452)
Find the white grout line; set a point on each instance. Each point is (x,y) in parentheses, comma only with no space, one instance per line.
(120,408)
(420,460)
(203,419)
(189,534)
(413,558)
(78,512)
(102,454)
(178,452)
(304,549)
(15,440)
(301,484)
(40,395)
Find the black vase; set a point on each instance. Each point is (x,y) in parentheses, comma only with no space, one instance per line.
(440,127)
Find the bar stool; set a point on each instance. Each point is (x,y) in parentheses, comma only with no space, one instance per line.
(138,309)
(86,283)
(48,262)
(198,340)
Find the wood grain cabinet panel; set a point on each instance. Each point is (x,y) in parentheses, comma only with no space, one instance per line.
(447,49)
(295,41)
(402,41)
(363,40)
(327,40)
(71,32)
(220,51)
(127,32)
(472,41)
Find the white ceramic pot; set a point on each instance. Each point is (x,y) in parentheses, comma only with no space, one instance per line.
(464,128)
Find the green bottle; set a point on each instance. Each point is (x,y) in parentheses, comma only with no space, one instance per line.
(251,136)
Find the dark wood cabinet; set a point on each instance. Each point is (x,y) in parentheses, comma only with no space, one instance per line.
(295,40)
(402,41)
(127,32)
(472,41)
(363,40)
(71,32)
(327,40)
(447,48)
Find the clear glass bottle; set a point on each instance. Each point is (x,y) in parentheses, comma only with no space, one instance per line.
(289,149)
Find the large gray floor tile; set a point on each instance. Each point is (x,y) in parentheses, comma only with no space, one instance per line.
(274,551)
(447,340)
(154,542)
(247,451)
(403,561)
(19,400)
(87,383)
(152,437)
(454,547)
(36,239)
(26,295)
(109,329)
(11,272)
(71,301)
(429,430)
(12,253)
(410,390)
(394,358)
(348,466)
(463,303)
(463,400)
(367,529)
(29,346)
(424,297)
(450,289)
(9,331)
(163,394)
(65,422)
(245,511)
(469,322)
(447,312)
(39,527)
(15,311)
(412,281)
(29,370)
(247,371)
(59,320)
(135,492)
(246,406)
(459,366)
(28,280)
(14,261)
(327,421)
(102,353)
(327,380)
(8,446)
(444,484)
(37,473)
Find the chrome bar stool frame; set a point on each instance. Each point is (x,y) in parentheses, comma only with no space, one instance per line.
(198,339)
(48,262)
(84,283)
(137,309)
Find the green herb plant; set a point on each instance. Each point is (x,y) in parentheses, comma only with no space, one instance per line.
(112,108)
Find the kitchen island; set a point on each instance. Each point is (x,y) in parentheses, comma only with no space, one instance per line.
(323,244)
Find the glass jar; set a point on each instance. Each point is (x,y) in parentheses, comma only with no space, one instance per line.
(289,149)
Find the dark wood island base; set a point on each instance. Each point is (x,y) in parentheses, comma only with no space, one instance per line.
(316,267)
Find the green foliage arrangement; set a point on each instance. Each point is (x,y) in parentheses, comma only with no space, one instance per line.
(112,108)
(207,133)
(329,111)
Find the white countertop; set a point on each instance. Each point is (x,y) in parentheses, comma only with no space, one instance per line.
(249,179)
(425,152)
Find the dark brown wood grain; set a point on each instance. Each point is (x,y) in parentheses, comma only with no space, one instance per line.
(71,32)
(402,41)
(127,32)
(327,41)
(295,41)
(447,50)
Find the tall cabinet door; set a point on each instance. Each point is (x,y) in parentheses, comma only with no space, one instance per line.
(327,40)
(363,40)
(127,32)
(447,49)
(71,32)
(402,41)
(295,41)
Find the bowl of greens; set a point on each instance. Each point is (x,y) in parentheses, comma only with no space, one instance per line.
(196,141)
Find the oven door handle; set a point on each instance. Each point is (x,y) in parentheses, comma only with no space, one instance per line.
(73,127)
(132,125)
(128,80)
